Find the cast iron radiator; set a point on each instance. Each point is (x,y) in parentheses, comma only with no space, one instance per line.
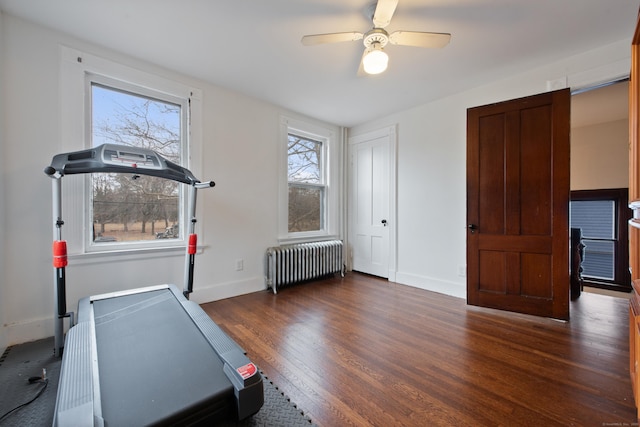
(289,264)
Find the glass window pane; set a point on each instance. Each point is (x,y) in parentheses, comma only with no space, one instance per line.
(305,208)
(127,208)
(599,259)
(596,218)
(304,156)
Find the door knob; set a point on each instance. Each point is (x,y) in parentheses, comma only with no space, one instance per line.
(472,227)
(384,222)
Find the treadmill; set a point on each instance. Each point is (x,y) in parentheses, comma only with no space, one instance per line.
(145,356)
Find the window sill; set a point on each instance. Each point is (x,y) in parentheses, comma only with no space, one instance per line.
(130,254)
(612,286)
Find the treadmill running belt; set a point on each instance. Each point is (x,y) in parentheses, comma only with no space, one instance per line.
(155,367)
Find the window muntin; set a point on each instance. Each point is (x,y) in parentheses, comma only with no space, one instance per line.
(306,184)
(126,210)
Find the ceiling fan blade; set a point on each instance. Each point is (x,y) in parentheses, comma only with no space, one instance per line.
(315,39)
(419,39)
(384,12)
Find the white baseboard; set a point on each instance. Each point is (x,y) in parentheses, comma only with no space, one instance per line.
(30,330)
(18,333)
(453,289)
(203,294)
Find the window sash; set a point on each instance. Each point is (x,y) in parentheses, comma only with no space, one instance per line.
(305,219)
(318,173)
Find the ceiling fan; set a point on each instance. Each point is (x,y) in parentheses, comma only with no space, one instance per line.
(375,59)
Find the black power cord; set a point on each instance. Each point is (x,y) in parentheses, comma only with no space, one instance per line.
(32,380)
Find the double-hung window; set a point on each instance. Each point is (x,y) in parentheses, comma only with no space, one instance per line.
(108,102)
(309,204)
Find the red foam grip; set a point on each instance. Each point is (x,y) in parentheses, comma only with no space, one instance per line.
(59,253)
(193,244)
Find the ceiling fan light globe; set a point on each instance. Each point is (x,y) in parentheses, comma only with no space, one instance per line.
(375,61)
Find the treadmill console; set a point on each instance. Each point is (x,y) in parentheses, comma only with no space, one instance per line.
(114,158)
(132,157)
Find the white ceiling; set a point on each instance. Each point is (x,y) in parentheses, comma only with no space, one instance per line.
(253,46)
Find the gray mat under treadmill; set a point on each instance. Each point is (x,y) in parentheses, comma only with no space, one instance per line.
(21,362)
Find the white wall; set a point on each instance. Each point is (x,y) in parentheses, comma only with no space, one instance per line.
(600,156)
(239,216)
(240,213)
(432,164)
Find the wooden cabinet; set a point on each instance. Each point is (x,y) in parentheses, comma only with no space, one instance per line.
(634,343)
(634,121)
(634,224)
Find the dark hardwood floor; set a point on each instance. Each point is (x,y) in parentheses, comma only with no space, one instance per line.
(363,351)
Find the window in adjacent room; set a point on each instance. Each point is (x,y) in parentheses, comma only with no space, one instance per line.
(125,209)
(602,216)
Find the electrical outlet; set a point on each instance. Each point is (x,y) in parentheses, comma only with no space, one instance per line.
(239,264)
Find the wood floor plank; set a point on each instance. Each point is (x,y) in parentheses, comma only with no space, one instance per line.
(363,351)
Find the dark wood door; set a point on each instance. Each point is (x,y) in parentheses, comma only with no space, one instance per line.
(517,205)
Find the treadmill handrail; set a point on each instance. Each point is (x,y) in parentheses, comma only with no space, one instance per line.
(114,158)
(120,159)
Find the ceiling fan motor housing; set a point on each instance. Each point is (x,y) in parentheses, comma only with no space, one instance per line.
(377,36)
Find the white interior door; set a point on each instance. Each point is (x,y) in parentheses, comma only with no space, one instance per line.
(371,191)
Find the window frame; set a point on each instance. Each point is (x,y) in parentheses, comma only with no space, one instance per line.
(330,172)
(78,69)
(620,197)
(136,90)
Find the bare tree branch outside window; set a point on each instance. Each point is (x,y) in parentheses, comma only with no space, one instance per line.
(306,186)
(127,208)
